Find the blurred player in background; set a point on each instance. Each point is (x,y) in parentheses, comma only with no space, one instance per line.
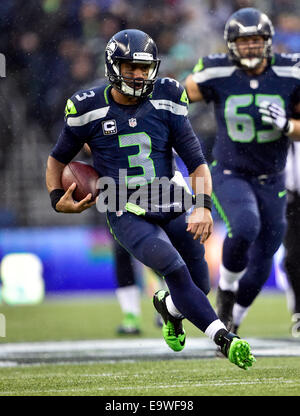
(129,291)
(291,241)
(256,95)
(133,124)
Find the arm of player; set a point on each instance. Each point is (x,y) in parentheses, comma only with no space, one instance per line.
(295,135)
(275,115)
(66,203)
(200,222)
(192,89)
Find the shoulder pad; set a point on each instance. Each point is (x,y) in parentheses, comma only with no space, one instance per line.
(286,59)
(212,67)
(84,103)
(211,61)
(86,100)
(286,65)
(170,89)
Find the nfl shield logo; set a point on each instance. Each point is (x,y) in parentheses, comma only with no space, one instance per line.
(132,122)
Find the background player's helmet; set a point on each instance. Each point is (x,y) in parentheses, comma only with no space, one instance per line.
(248,22)
(137,47)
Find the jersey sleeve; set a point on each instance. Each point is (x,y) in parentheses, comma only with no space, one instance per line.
(74,132)
(208,70)
(204,87)
(184,140)
(187,145)
(67,146)
(287,65)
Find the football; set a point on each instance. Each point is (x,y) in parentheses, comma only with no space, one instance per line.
(84,175)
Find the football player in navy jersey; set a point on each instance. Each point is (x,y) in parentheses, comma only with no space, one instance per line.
(127,290)
(132,126)
(256,96)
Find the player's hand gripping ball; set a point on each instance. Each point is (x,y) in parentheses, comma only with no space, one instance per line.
(85,177)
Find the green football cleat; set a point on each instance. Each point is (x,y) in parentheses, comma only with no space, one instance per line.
(172,329)
(235,349)
(130,325)
(239,354)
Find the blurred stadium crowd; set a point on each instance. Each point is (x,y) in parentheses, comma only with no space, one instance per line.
(55,47)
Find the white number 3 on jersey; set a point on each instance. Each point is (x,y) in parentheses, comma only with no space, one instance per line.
(85,95)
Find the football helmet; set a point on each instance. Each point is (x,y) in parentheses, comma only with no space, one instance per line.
(134,46)
(248,22)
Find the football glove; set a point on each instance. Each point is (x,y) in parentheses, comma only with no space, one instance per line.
(275,115)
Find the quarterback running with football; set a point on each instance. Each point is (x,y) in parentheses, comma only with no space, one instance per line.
(256,96)
(132,125)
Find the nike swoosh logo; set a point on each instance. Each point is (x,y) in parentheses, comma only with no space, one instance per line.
(182,342)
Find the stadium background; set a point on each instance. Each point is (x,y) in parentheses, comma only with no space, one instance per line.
(55,47)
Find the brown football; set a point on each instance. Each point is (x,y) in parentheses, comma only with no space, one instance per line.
(84,175)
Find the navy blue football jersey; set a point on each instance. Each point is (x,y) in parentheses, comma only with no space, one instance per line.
(137,139)
(244,143)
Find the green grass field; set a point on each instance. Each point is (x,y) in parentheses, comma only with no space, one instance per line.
(97,318)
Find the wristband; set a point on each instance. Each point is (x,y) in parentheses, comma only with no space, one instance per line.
(289,127)
(55,196)
(202,201)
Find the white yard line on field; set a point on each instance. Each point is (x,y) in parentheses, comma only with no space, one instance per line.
(212,383)
(12,354)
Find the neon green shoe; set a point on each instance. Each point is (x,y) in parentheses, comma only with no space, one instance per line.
(172,329)
(239,353)
(130,325)
(235,349)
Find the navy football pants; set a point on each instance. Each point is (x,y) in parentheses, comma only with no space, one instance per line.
(164,248)
(171,251)
(253,210)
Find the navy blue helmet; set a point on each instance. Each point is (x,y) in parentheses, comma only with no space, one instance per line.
(134,46)
(248,22)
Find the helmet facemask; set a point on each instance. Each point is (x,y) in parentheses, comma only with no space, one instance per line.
(255,55)
(134,87)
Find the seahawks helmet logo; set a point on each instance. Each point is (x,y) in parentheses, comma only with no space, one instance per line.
(110,49)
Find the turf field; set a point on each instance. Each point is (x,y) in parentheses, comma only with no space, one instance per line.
(68,347)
